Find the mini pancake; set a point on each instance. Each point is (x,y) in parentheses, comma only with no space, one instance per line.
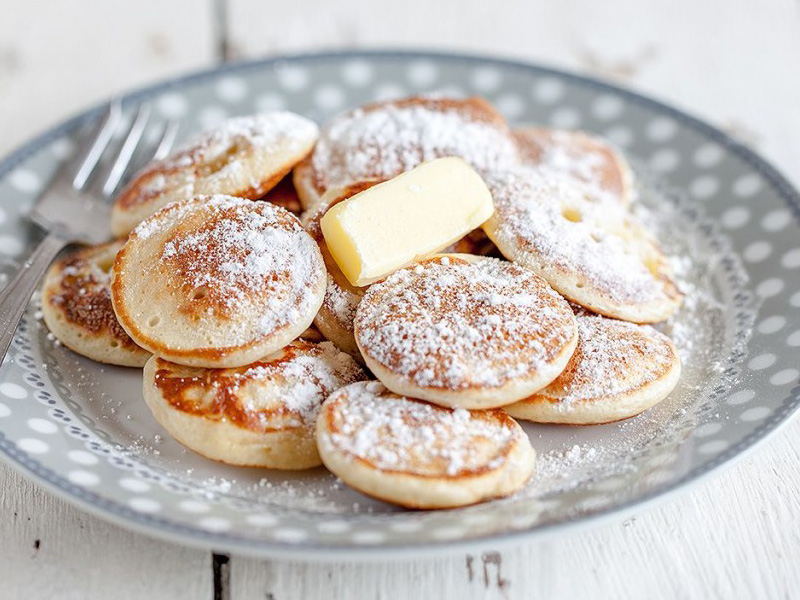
(618,370)
(465,331)
(260,415)
(587,160)
(420,455)
(591,251)
(76,306)
(335,317)
(218,281)
(244,157)
(382,140)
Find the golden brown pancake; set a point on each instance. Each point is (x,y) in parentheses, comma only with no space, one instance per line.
(335,316)
(588,248)
(76,306)
(244,157)
(465,331)
(420,455)
(382,140)
(618,370)
(259,415)
(576,156)
(218,282)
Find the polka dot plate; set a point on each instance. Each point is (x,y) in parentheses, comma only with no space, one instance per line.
(83,431)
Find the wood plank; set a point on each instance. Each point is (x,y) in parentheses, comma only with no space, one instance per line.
(719,59)
(57,58)
(730,537)
(48,549)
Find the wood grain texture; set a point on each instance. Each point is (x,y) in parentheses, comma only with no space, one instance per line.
(48,549)
(719,59)
(57,58)
(733,536)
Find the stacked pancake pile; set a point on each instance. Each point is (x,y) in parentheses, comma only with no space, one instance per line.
(258,351)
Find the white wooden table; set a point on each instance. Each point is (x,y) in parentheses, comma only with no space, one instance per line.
(732,62)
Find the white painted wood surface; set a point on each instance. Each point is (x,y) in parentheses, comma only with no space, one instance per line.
(729,61)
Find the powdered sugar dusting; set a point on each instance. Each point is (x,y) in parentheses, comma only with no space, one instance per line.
(399,434)
(610,462)
(241,156)
(264,132)
(612,357)
(383,142)
(341,303)
(238,259)
(456,324)
(552,225)
(579,159)
(301,379)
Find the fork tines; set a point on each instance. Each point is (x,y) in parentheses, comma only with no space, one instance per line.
(115,170)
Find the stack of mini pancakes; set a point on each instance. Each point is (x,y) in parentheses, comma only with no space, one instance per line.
(257,351)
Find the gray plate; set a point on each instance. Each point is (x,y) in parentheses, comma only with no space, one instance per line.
(82,430)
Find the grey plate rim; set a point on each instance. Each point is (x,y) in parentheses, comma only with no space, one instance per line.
(202,539)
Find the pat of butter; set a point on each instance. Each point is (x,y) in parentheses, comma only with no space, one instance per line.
(414,215)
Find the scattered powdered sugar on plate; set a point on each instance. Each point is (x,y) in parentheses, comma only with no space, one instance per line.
(394,433)
(607,461)
(453,323)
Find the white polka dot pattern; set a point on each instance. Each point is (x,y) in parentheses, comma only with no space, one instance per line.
(25,181)
(708,155)
(422,73)
(735,217)
(84,478)
(358,73)
(549,90)
(485,79)
(746,185)
(757,251)
(145,505)
(665,160)
(704,187)
(661,129)
(565,117)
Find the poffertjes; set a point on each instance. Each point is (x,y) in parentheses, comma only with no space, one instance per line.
(418,454)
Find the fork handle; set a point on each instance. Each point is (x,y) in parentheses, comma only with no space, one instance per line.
(15,296)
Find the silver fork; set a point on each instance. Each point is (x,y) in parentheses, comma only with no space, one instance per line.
(75,207)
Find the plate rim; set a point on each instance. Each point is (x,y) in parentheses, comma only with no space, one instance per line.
(199,538)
